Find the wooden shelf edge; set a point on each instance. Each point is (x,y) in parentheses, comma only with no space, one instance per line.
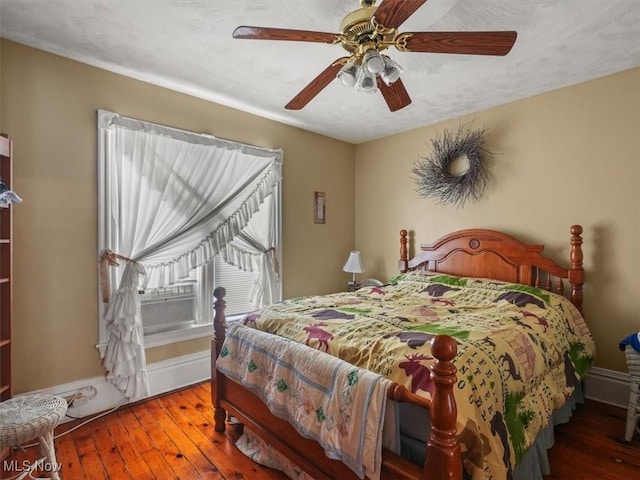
(5,146)
(6,254)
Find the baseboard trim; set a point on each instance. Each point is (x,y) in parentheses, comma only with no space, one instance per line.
(608,386)
(601,384)
(164,376)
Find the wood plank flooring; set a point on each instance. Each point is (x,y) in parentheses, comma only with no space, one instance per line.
(172,437)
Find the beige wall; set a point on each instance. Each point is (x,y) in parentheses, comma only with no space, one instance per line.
(49,108)
(565,157)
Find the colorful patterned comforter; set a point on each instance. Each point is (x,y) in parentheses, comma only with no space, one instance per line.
(521,351)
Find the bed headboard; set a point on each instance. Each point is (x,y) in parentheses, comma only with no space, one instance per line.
(496,255)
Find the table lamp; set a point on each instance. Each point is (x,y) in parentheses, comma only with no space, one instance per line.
(353,265)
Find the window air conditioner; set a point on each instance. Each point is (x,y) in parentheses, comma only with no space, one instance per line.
(168,308)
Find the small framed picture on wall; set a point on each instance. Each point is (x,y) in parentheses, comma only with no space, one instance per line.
(319,207)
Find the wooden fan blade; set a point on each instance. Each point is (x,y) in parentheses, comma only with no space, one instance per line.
(264,33)
(315,86)
(393,13)
(395,94)
(466,43)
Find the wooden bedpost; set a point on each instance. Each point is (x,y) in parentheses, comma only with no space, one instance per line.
(403,264)
(576,272)
(219,331)
(444,460)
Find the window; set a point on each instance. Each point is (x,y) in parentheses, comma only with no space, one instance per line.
(178,307)
(164,185)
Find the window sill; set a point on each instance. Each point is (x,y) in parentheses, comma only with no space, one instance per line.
(174,336)
(167,338)
(178,335)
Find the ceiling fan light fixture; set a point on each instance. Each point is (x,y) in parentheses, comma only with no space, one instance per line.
(391,72)
(367,82)
(348,74)
(373,61)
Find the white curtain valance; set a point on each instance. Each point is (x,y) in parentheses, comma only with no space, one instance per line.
(218,240)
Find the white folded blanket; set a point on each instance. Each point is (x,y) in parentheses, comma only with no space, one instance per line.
(324,398)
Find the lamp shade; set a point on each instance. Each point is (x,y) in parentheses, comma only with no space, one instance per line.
(366,81)
(373,62)
(348,74)
(391,71)
(354,263)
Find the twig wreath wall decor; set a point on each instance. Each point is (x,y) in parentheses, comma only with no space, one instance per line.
(434,174)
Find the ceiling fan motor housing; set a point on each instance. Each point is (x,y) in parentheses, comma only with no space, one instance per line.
(358,30)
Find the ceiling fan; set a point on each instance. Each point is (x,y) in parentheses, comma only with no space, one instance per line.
(368,31)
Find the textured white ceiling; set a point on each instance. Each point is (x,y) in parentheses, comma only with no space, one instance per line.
(186,45)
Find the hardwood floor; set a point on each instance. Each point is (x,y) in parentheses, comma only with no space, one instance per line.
(172,437)
(592,446)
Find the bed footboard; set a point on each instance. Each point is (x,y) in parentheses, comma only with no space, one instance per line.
(442,449)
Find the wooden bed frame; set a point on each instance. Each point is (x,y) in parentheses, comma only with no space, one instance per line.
(471,253)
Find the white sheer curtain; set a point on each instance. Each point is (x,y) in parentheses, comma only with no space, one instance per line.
(254,249)
(175,200)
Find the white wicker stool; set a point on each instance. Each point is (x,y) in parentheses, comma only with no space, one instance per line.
(28,417)
(633,411)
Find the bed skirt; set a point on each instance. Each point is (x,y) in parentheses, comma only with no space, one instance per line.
(534,463)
